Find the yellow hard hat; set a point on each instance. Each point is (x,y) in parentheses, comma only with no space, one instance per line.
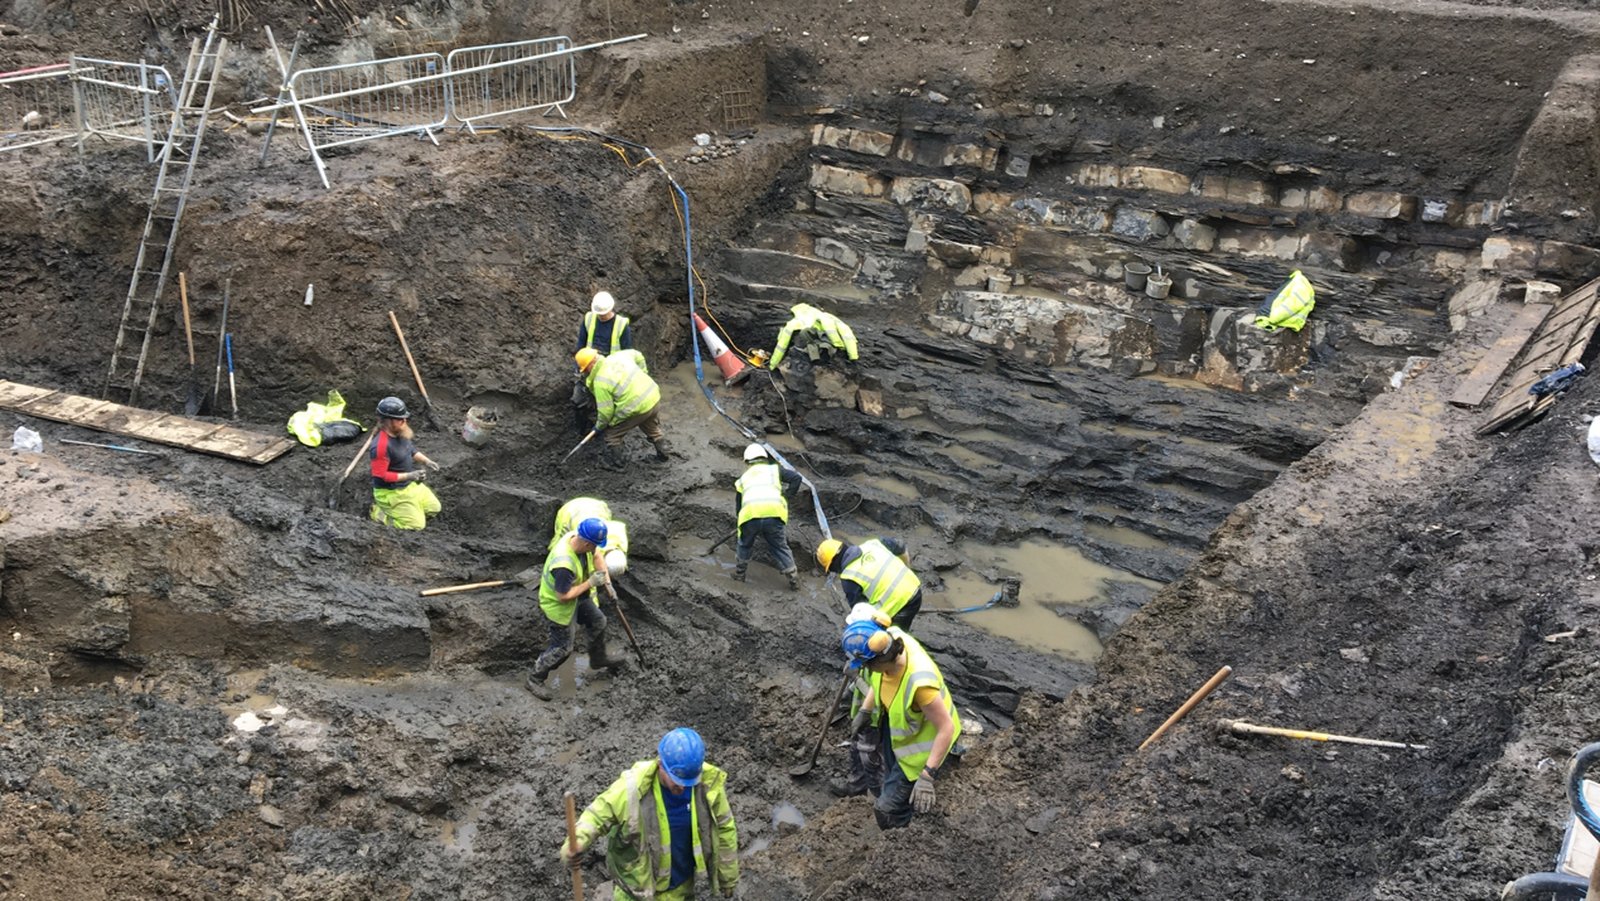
(828,550)
(585,358)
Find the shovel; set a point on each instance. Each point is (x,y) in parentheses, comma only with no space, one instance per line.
(804,767)
(191,405)
(586,439)
(222,330)
(529,576)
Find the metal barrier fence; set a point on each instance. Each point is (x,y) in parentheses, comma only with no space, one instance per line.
(501,79)
(72,100)
(125,101)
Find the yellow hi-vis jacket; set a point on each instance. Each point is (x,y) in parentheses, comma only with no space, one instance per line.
(619,324)
(886,581)
(622,388)
(823,325)
(562,556)
(1289,307)
(761,493)
(633,815)
(577,510)
(911,733)
(305,425)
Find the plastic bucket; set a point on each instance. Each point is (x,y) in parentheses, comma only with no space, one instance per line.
(1134,275)
(1157,286)
(480,422)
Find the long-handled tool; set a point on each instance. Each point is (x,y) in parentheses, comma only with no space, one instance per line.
(528,576)
(804,767)
(626,627)
(586,439)
(333,493)
(1245,728)
(115,447)
(572,845)
(191,404)
(1188,705)
(222,330)
(427,404)
(233,393)
(721,541)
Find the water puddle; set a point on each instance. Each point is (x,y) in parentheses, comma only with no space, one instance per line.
(891,486)
(1122,535)
(461,833)
(968,457)
(1052,575)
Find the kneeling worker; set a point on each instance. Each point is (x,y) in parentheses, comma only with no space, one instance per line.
(809,320)
(763,511)
(615,547)
(916,717)
(875,572)
(572,571)
(625,398)
(399,498)
(665,820)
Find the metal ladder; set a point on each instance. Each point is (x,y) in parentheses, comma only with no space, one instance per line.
(160,237)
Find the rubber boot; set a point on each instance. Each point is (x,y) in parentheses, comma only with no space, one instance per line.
(794,579)
(611,458)
(537,688)
(663,449)
(600,659)
(738,572)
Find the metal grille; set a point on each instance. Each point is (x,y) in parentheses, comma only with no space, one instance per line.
(124,101)
(501,79)
(363,101)
(738,109)
(37,107)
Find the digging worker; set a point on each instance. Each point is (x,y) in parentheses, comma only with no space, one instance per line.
(876,572)
(399,498)
(572,571)
(625,397)
(615,548)
(814,326)
(606,332)
(763,512)
(665,820)
(917,721)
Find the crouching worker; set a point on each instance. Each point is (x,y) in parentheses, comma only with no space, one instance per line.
(819,331)
(665,820)
(914,713)
(573,569)
(399,498)
(615,547)
(626,397)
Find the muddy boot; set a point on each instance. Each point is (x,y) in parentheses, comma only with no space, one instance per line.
(600,659)
(537,688)
(845,788)
(611,458)
(663,450)
(794,579)
(738,572)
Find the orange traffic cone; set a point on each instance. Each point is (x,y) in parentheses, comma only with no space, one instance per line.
(720,354)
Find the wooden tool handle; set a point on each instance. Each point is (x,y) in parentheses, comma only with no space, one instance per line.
(472,586)
(183,295)
(403,346)
(1188,705)
(572,845)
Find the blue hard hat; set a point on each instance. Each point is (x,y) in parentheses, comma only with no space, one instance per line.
(593,530)
(863,641)
(682,754)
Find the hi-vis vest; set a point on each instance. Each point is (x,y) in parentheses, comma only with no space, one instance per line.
(561,556)
(1289,307)
(622,388)
(581,508)
(911,733)
(618,324)
(634,815)
(886,581)
(761,493)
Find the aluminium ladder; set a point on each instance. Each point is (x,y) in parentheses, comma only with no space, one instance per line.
(154,259)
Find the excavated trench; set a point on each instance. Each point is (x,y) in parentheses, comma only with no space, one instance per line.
(214,681)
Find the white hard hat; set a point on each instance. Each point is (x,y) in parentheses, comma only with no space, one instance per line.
(616,561)
(603,303)
(755,452)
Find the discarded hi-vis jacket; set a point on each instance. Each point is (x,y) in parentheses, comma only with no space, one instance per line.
(1289,307)
(622,388)
(911,733)
(633,816)
(306,426)
(824,325)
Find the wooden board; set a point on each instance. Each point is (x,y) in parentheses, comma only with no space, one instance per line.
(1561,340)
(1478,383)
(132,422)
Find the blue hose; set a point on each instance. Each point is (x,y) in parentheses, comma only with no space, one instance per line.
(976,607)
(1561,886)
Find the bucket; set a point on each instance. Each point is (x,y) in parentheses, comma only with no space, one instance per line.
(1157,285)
(1134,275)
(480,422)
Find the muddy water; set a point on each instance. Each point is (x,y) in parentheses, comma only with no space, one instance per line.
(1052,575)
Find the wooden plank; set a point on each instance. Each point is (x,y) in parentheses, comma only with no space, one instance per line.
(132,422)
(1476,386)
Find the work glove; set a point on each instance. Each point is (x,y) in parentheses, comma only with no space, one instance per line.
(922,796)
(416,475)
(861,721)
(598,579)
(566,855)
(599,432)
(432,465)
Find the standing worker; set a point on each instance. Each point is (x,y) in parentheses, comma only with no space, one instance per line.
(809,321)
(626,397)
(763,511)
(917,720)
(572,571)
(399,498)
(615,548)
(608,333)
(665,820)
(876,572)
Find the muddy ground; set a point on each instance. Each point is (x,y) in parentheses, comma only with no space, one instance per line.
(1375,570)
